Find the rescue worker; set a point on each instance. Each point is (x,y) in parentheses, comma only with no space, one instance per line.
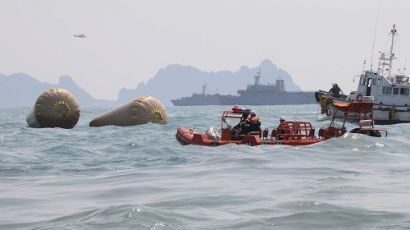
(242,127)
(335,91)
(282,129)
(254,123)
(281,122)
(254,120)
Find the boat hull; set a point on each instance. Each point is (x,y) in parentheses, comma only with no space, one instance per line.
(187,136)
(383,114)
(285,98)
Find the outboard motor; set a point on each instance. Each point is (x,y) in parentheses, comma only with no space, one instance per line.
(212,134)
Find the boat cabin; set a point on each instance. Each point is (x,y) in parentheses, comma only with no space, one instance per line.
(235,124)
(373,87)
(381,86)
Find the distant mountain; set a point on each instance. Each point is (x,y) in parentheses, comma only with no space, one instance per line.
(177,81)
(171,82)
(20,89)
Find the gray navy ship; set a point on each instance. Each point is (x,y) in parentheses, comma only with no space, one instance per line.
(254,94)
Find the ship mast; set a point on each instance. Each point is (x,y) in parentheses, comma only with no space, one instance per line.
(386,59)
(258,77)
(203,89)
(391,56)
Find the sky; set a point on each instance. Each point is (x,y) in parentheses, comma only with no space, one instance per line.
(317,41)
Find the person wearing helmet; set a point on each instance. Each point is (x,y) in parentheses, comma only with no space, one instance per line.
(282,129)
(254,123)
(249,123)
(253,118)
(282,120)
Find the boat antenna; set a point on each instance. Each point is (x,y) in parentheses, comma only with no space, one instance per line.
(393,33)
(374,36)
(364,65)
(258,76)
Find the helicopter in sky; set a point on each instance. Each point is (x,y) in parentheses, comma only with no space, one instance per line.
(79,36)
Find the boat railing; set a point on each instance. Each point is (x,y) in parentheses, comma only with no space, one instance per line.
(295,130)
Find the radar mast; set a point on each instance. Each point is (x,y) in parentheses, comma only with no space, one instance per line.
(258,77)
(386,59)
(393,33)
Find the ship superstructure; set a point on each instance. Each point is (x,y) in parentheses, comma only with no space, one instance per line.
(260,89)
(389,92)
(254,94)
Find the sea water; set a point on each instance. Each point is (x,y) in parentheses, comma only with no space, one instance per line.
(141,178)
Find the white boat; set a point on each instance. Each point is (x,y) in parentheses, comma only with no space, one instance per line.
(390,93)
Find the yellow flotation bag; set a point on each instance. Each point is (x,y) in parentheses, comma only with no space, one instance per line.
(142,110)
(54,108)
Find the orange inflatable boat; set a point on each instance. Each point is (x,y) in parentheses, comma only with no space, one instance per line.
(235,129)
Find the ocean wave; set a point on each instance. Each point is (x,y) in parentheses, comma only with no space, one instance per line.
(141,178)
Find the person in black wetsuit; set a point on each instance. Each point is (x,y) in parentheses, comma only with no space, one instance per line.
(335,91)
(240,128)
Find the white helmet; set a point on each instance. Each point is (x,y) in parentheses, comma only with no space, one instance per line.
(282,118)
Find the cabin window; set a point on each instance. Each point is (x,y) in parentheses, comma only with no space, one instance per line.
(369,82)
(374,82)
(395,91)
(404,91)
(362,81)
(387,90)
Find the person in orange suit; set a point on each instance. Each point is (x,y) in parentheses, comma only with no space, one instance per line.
(282,129)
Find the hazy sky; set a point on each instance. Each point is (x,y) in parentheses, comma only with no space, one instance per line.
(317,41)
